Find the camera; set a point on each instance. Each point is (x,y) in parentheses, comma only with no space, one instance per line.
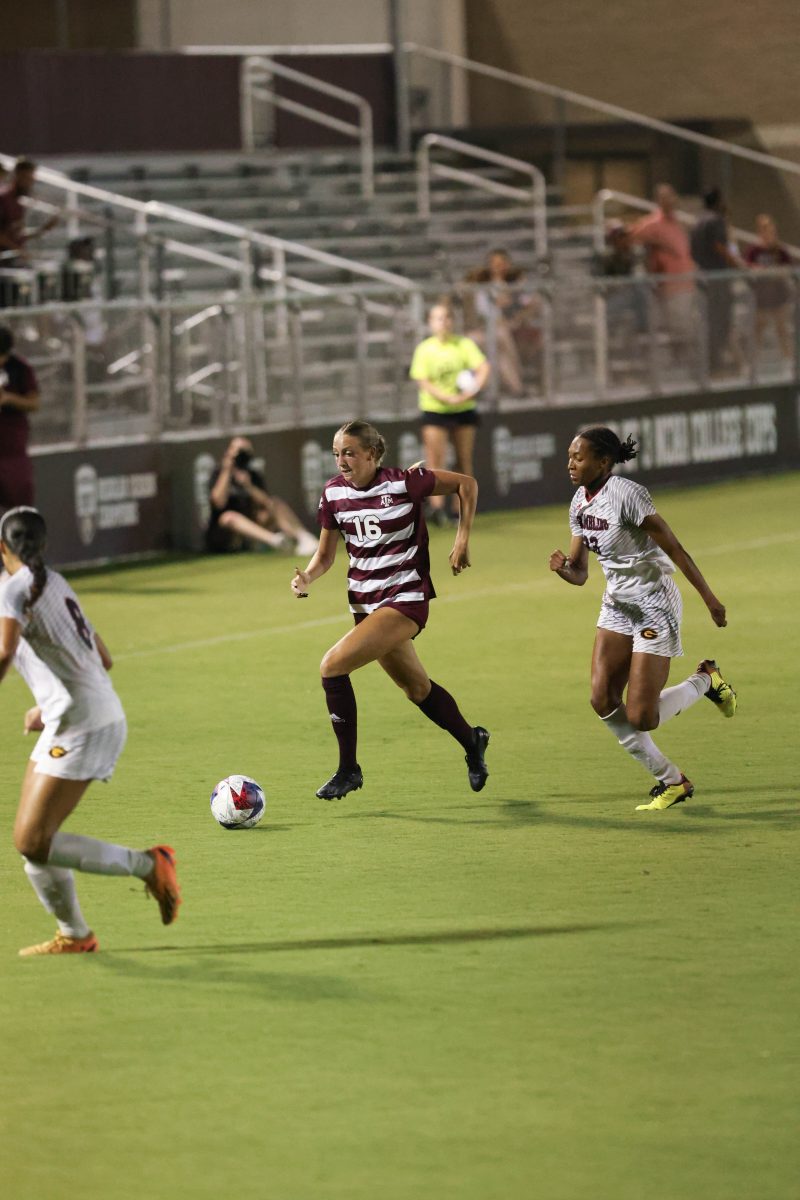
(243,460)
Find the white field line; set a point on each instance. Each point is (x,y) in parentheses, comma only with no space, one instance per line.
(340,618)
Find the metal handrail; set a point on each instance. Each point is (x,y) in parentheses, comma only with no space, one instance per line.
(606,194)
(536,195)
(142,210)
(258,71)
(601,106)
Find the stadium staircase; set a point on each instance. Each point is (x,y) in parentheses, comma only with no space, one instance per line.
(314,198)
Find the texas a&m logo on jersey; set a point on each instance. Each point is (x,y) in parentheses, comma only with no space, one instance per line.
(387,501)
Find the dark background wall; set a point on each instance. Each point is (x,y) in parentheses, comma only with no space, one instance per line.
(69,24)
(83,102)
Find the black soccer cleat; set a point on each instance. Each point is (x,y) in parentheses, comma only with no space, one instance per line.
(476,768)
(341,783)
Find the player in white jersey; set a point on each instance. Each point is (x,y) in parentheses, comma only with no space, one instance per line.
(638,631)
(378,511)
(44,633)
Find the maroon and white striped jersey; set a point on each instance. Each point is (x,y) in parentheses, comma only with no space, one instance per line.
(384,529)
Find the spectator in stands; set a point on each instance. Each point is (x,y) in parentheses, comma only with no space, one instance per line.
(19,395)
(14,236)
(624,302)
(711,251)
(243,512)
(668,254)
(772,293)
(450,371)
(500,307)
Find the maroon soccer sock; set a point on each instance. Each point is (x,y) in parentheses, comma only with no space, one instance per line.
(440,707)
(341,701)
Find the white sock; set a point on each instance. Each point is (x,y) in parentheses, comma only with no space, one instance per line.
(674,700)
(97,858)
(55,887)
(640,746)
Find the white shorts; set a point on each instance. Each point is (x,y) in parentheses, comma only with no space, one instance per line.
(654,623)
(82,754)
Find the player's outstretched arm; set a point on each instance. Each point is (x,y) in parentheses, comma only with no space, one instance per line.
(104,652)
(452,483)
(321,561)
(572,567)
(10,633)
(662,535)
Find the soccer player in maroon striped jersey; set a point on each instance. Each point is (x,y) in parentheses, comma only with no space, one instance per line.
(379,512)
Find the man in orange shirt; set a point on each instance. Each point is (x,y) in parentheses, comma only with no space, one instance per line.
(669,254)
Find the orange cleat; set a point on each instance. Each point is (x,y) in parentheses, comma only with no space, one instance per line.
(61,944)
(162,882)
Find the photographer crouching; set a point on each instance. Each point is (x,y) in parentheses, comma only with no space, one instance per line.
(244,514)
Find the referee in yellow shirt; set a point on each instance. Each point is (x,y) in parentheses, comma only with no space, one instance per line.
(450,370)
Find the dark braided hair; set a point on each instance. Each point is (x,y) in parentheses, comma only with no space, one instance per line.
(606,444)
(367,435)
(23,532)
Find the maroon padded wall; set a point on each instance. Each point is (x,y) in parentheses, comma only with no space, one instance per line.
(95,103)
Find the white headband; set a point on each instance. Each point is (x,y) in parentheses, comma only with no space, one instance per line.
(12,512)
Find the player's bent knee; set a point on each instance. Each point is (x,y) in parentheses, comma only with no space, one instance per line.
(604,703)
(643,720)
(331,665)
(32,845)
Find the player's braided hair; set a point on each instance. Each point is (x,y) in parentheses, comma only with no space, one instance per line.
(606,444)
(24,532)
(367,435)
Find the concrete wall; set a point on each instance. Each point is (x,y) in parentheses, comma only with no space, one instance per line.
(666,59)
(172,23)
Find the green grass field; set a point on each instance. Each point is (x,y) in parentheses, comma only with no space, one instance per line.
(533,993)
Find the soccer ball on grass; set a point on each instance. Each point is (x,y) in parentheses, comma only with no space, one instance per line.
(237,802)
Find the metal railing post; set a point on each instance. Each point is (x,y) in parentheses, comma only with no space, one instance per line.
(256,83)
(491,354)
(654,326)
(80,415)
(401,98)
(246,103)
(150,328)
(279,267)
(231,376)
(535,195)
(548,347)
(143,254)
(423,180)
(296,360)
(73,215)
(109,263)
(367,152)
(600,340)
(362,352)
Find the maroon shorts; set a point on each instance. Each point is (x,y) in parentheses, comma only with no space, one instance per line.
(417,612)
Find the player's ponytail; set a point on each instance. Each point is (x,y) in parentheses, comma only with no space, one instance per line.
(23,532)
(606,444)
(367,435)
(627,449)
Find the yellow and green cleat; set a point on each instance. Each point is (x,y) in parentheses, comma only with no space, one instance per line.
(720,693)
(666,794)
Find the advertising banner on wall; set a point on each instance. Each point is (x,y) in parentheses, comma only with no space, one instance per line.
(104,504)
